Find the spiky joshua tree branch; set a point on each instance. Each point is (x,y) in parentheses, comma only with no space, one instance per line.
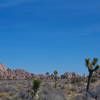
(92,67)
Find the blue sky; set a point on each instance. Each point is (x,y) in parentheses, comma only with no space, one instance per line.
(44,35)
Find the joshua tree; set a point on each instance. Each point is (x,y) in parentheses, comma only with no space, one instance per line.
(47,75)
(92,67)
(55,77)
(36,86)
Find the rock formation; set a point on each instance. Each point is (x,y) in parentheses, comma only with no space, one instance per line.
(7,73)
(69,75)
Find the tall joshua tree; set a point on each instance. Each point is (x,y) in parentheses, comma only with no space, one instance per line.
(92,67)
(55,77)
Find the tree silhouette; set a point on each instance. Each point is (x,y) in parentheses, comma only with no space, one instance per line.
(47,75)
(55,77)
(92,67)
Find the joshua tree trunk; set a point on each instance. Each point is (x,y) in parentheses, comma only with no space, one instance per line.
(55,83)
(89,79)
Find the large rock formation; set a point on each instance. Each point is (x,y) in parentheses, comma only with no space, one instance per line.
(2,68)
(69,75)
(7,73)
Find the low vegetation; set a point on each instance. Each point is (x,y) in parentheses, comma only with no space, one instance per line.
(36,85)
(54,87)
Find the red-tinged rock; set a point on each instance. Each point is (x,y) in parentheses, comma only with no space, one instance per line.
(7,73)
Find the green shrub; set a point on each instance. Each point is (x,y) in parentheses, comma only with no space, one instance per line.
(93,80)
(36,85)
(76,80)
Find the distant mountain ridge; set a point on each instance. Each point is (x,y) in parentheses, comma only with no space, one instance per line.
(7,73)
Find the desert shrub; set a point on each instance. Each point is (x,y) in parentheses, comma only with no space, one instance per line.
(36,85)
(93,80)
(76,80)
(73,89)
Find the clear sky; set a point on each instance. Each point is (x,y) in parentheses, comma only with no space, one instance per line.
(44,35)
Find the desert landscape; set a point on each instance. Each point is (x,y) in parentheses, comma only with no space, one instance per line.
(49,50)
(20,85)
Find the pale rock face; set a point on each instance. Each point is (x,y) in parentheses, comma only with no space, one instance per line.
(3,68)
(6,73)
(69,75)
